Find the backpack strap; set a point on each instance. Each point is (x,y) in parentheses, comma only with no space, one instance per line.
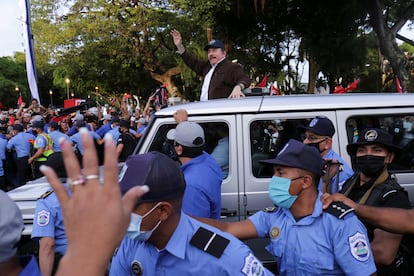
(209,242)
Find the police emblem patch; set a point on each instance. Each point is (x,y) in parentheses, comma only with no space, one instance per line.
(359,247)
(274,232)
(136,268)
(252,266)
(313,122)
(43,218)
(371,135)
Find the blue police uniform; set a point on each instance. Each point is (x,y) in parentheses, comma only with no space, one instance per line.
(56,135)
(30,266)
(76,139)
(346,172)
(3,145)
(21,144)
(202,195)
(48,221)
(319,244)
(183,255)
(104,129)
(115,133)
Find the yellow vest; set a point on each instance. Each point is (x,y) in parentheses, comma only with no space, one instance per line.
(48,149)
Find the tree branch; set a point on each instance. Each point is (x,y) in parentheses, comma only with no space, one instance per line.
(409,12)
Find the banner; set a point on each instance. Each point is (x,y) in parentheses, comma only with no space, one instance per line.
(30,59)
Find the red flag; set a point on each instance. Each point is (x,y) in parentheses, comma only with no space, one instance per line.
(398,84)
(20,100)
(274,90)
(339,90)
(263,83)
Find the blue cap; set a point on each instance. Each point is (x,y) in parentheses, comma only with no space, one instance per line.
(374,136)
(159,172)
(214,44)
(54,125)
(321,126)
(299,155)
(38,124)
(18,127)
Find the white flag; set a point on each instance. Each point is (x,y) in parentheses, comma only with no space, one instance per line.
(30,59)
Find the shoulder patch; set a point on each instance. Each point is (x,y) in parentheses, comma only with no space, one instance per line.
(43,218)
(252,266)
(358,246)
(270,209)
(45,195)
(209,242)
(339,209)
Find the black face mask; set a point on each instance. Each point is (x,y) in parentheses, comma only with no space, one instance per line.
(34,132)
(370,165)
(316,145)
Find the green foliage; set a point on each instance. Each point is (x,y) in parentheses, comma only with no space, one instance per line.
(12,76)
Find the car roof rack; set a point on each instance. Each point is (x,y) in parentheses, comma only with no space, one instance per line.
(256,91)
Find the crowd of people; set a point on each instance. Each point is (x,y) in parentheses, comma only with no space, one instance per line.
(30,135)
(168,220)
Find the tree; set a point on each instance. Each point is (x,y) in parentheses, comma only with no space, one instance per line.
(387,18)
(13,79)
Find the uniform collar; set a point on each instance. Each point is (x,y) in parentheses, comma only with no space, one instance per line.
(180,239)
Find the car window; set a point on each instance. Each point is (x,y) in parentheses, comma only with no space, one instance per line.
(400,126)
(268,137)
(216,144)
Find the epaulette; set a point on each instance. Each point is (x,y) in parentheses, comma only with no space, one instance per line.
(45,195)
(339,209)
(209,242)
(270,209)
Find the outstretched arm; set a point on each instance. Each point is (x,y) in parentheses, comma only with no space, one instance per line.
(394,220)
(241,229)
(178,41)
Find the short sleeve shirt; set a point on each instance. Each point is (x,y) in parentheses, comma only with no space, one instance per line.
(319,244)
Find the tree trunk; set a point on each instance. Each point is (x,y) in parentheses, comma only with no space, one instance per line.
(387,39)
(166,79)
(313,73)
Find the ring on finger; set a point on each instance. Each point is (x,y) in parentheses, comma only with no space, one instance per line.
(71,183)
(91,177)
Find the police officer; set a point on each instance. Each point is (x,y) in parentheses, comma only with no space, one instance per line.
(319,134)
(43,147)
(48,226)
(11,227)
(304,239)
(126,142)
(3,145)
(202,173)
(76,138)
(162,240)
(372,185)
(56,134)
(21,143)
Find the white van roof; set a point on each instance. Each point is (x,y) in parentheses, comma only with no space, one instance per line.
(301,102)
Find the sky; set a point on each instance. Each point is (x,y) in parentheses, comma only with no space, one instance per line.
(11,28)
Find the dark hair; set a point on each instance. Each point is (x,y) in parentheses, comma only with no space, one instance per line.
(315,177)
(191,152)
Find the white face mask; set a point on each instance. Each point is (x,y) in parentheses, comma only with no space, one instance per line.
(134,229)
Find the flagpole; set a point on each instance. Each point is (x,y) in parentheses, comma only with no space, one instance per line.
(30,58)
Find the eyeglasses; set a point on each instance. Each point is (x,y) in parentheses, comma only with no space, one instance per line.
(313,138)
(176,144)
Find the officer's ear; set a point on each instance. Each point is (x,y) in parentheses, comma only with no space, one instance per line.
(389,157)
(166,210)
(307,181)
